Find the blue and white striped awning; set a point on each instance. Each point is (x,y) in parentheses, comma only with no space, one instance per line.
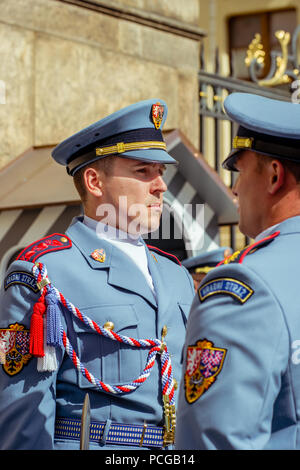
(20,227)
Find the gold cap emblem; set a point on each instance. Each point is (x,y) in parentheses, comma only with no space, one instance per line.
(157,114)
(242,142)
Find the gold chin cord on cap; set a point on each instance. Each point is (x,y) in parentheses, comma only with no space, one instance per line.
(118,148)
(121,147)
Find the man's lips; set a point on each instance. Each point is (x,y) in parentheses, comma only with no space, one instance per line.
(155,205)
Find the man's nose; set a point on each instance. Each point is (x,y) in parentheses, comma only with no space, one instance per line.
(159,185)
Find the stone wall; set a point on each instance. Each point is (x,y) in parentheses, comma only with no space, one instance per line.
(186,11)
(65,66)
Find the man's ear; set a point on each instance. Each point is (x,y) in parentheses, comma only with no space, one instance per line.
(92,181)
(276,176)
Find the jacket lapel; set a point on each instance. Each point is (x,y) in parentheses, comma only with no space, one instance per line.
(122,271)
(125,273)
(160,281)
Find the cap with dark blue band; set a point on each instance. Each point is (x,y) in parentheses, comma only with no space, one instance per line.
(269,127)
(204,262)
(132,132)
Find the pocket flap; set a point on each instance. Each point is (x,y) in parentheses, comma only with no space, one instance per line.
(122,316)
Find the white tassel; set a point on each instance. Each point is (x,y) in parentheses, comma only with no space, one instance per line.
(48,363)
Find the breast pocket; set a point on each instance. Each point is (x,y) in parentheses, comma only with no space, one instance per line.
(112,362)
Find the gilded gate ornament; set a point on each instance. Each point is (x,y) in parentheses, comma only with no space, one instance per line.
(284,66)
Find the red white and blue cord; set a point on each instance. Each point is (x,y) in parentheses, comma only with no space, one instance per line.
(48,304)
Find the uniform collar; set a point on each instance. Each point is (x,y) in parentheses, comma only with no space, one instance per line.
(87,241)
(107,232)
(122,271)
(290,225)
(266,233)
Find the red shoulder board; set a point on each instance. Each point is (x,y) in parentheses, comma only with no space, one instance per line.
(164,253)
(54,242)
(239,256)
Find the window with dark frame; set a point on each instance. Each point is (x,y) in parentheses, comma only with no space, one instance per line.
(242,29)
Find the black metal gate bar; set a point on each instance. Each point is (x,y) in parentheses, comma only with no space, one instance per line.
(217,146)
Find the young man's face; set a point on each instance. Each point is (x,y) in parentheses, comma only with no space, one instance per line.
(135,190)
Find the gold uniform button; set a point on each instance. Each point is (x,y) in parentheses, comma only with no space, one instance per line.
(175,383)
(64,239)
(109,325)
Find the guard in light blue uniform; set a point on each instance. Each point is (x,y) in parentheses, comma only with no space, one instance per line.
(66,296)
(199,265)
(240,385)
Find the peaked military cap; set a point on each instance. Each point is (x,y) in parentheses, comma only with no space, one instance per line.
(267,126)
(204,262)
(133,132)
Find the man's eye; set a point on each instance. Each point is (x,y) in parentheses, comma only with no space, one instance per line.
(142,170)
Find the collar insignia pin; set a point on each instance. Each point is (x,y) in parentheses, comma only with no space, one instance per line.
(99,255)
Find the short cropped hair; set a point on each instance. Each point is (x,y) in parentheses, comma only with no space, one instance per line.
(292,167)
(103,164)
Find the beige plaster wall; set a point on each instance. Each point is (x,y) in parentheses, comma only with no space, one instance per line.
(65,67)
(16,124)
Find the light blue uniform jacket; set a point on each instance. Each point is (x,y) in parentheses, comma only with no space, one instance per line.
(254,401)
(114,290)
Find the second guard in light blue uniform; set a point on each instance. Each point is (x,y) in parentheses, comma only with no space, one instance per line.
(240,385)
(90,312)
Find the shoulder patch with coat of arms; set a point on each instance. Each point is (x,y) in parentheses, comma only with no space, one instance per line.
(203,363)
(14,348)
